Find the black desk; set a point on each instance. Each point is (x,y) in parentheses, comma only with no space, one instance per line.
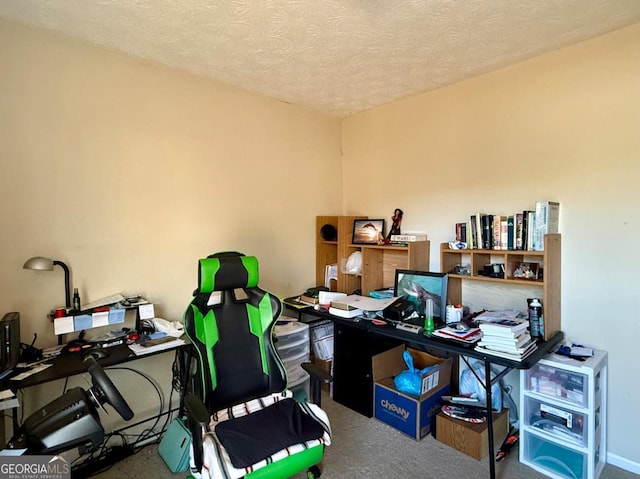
(67,365)
(359,337)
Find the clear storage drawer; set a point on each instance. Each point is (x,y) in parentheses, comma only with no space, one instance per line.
(293,350)
(290,332)
(564,424)
(558,383)
(294,366)
(556,459)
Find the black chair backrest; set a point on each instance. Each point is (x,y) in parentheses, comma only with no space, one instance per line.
(229,322)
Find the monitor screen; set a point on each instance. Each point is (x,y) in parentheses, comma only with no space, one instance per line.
(417,286)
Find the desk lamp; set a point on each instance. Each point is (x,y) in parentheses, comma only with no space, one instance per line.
(46,264)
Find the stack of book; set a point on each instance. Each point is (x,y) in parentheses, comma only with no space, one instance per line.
(468,336)
(506,338)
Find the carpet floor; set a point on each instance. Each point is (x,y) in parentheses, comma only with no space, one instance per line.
(366,448)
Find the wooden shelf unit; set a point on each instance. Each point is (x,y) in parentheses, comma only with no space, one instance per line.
(548,260)
(379,263)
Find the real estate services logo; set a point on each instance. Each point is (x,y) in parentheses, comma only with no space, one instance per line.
(34,467)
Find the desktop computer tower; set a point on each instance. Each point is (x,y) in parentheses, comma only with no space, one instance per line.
(9,340)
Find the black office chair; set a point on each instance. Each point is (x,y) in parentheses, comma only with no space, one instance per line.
(244,421)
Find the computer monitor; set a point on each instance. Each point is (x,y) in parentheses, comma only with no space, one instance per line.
(417,286)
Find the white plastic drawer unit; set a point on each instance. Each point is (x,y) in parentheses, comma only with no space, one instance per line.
(290,332)
(293,350)
(562,423)
(558,383)
(554,459)
(293,366)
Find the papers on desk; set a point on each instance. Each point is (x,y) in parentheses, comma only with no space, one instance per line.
(31,372)
(364,303)
(140,350)
(8,400)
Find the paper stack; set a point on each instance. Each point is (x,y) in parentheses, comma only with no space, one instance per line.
(506,338)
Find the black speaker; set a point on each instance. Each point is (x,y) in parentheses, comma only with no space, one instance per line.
(9,340)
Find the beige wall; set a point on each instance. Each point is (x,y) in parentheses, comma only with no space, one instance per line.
(130,172)
(564,127)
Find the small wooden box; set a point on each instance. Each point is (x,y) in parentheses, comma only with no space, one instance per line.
(469,438)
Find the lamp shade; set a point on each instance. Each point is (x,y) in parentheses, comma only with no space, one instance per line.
(39,263)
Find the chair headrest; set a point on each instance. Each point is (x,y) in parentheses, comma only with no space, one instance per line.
(227,271)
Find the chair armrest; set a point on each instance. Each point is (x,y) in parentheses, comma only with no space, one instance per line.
(317,372)
(318,376)
(197,420)
(197,412)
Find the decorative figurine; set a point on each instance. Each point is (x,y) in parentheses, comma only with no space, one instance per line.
(396,220)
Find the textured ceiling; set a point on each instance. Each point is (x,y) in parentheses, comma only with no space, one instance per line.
(336,56)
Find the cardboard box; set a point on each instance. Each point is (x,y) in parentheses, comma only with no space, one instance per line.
(326,366)
(469,438)
(409,414)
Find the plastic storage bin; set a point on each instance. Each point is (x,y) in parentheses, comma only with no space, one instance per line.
(558,383)
(294,368)
(555,459)
(569,425)
(287,333)
(293,350)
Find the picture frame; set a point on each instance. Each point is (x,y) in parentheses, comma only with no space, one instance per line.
(368,232)
(526,270)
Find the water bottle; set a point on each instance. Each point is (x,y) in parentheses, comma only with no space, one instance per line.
(428,317)
(535,315)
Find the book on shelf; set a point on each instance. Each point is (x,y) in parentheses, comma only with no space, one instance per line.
(518,231)
(511,232)
(479,230)
(408,238)
(474,232)
(345,313)
(529,227)
(487,236)
(496,232)
(547,216)
(461,232)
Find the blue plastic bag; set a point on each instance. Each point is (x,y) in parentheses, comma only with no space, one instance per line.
(409,381)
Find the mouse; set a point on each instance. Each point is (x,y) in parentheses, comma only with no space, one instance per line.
(462,326)
(98,353)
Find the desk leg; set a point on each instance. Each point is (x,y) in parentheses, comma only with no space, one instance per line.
(488,386)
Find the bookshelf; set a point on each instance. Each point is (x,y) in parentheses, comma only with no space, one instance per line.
(379,263)
(548,286)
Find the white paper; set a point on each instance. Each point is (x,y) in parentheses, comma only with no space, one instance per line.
(63,325)
(325,297)
(100,319)
(31,372)
(366,303)
(146,311)
(6,394)
(106,301)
